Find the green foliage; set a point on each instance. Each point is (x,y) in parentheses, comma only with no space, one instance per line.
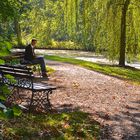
(16,110)
(10,11)
(50,70)
(4,48)
(63,126)
(10,113)
(4,91)
(64,45)
(7,112)
(7,8)
(93,25)
(128,73)
(1,61)
(10,78)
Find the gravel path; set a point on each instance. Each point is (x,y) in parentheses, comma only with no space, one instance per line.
(112,102)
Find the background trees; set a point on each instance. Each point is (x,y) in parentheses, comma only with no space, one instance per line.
(111,27)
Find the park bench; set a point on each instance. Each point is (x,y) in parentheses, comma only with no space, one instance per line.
(18,58)
(23,78)
(14,56)
(35,67)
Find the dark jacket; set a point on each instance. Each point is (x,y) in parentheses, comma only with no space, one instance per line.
(29,53)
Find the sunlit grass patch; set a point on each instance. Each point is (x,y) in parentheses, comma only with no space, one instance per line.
(50,70)
(64,126)
(126,73)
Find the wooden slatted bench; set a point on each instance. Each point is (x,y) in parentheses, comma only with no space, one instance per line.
(12,57)
(23,78)
(18,58)
(35,67)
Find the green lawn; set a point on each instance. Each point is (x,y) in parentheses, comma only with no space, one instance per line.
(64,126)
(127,73)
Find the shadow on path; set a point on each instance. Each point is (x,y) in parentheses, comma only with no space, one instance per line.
(126,123)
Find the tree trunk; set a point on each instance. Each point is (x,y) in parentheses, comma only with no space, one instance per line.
(123,33)
(18,32)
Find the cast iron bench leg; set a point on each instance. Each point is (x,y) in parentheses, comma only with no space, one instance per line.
(48,100)
(40,99)
(31,101)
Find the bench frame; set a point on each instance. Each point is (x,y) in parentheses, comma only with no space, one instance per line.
(22,78)
(18,57)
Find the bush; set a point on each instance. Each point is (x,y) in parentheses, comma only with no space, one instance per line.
(69,45)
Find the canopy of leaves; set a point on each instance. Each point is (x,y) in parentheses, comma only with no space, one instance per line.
(94,25)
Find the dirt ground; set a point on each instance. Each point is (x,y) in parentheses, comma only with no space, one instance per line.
(114,103)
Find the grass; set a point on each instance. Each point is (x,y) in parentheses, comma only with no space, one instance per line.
(126,73)
(64,126)
(50,70)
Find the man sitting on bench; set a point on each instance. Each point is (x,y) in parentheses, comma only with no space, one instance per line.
(33,59)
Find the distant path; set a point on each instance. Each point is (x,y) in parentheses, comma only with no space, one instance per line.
(112,102)
(82,55)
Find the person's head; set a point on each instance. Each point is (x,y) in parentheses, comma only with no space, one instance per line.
(33,42)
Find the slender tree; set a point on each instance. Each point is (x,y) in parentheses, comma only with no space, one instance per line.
(123,33)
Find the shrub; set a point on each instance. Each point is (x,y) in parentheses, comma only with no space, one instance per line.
(69,45)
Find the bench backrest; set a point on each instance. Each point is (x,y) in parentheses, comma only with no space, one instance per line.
(19,76)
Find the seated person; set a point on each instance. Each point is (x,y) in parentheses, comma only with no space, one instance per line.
(33,59)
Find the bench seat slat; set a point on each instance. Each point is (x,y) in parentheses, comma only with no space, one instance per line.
(15,69)
(41,86)
(15,66)
(20,74)
(36,86)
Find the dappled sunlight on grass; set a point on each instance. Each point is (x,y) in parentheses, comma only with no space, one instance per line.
(73,125)
(50,70)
